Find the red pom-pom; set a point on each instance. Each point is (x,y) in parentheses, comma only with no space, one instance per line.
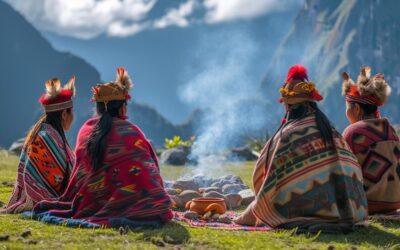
(377,114)
(280,99)
(297,72)
(64,96)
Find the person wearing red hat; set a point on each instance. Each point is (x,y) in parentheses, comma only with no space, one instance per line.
(46,159)
(306,177)
(116,180)
(373,140)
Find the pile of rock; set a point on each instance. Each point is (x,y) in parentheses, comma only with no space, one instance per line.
(180,156)
(17,146)
(229,187)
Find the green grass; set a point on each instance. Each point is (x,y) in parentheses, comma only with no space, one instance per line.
(379,235)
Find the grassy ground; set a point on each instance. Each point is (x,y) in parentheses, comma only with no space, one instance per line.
(176,235)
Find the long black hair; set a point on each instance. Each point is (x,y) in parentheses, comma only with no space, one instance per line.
(302,110)
(97,142)
(52,118)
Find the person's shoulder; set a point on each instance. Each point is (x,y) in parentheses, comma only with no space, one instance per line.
(300,125)
(356,129)
(91,121)
(88,125)
(47,131)
(126,125)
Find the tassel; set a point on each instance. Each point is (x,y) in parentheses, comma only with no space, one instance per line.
(377,114)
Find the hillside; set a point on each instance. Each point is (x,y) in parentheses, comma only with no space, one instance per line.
(28,60)
(330,37)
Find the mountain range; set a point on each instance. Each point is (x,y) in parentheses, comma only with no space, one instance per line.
(28,60)
(331,37)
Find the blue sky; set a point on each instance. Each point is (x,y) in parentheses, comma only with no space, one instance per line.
(165,44)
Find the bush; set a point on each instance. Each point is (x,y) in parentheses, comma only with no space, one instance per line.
(178,142)
(257,143)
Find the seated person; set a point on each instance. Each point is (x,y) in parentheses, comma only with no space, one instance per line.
(46,159)
(306,177)
(116,179)
(373,140)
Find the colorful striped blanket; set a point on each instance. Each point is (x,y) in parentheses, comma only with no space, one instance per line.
(301,183)
(43,171)
(127,190)
(179,216)
(377,148)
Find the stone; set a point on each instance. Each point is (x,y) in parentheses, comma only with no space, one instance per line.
(191,215)
(184,197)
(122,231)
(209,189)
(243,154)
(4,237)
(247,196)
(26,233)
(168,184)
(170,240)
(224,219)
(158,242)
(171,191)
(221,183)
(186,185)
(174,156)
(203,181)
(237,180)
(16,147)
(214,194)
(215,216)
(233,200)
(232,188)
(8,183)
(176,200)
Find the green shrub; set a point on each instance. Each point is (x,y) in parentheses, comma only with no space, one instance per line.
(178,142)
(257,142)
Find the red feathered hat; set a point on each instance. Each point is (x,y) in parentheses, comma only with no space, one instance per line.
(56,98)
(296,88)
(297,72)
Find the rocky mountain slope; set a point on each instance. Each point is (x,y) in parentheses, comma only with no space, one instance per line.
(27,60)
(330,37)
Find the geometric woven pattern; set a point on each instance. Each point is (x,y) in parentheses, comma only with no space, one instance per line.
(377,148)
(299,179)
(375,166)
(128,188)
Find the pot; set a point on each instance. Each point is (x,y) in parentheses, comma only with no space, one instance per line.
(206,204)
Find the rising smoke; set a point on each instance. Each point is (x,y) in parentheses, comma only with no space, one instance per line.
(226,88)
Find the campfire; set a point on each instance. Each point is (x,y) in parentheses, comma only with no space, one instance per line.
(217,194)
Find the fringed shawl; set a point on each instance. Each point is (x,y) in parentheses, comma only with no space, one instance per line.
(43,171)
(126,190)
(299,180)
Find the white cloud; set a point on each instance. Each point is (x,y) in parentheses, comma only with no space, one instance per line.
(120,29)
(229,10)
(86,18)
(177,17)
